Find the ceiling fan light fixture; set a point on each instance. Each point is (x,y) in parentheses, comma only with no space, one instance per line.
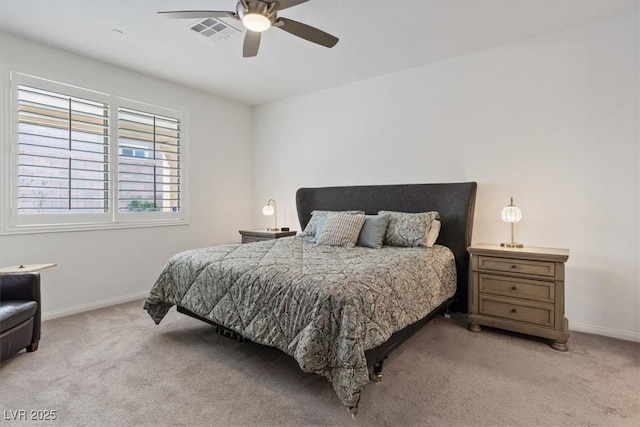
(256,22)
(256,16)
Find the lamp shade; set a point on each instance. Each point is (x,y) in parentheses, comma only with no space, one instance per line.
(511,213)
(268,210)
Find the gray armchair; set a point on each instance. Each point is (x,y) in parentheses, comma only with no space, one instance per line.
(20,312)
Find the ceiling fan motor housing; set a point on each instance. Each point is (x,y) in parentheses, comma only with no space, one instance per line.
(258,10)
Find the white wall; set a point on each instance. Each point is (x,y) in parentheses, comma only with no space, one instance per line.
(100,267)
(551,121)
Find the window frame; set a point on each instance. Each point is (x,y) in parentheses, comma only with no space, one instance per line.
(136,217)
(13,223)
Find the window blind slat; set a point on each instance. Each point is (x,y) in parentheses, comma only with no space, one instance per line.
(143,165)
(61,134)
(61,121)
(41,110)
(39,146)
(59,153)
(147,129)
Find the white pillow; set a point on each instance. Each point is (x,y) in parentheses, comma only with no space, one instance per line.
(433,233)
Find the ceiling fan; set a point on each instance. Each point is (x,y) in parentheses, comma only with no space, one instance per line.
(258,16)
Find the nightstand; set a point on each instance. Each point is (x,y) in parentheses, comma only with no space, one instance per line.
(249,236)
(520,290)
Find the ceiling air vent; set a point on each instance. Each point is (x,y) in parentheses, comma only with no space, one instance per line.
(214,29)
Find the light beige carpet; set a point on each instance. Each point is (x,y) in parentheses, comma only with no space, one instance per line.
(116,367)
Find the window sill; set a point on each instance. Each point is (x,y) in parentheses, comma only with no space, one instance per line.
(66,228)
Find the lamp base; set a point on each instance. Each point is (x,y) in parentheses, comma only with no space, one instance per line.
(512,245)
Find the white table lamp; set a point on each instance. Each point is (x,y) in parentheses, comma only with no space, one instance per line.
(270,209)
(511,214)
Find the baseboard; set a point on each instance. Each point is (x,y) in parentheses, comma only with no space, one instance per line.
(48,315)
(597,330)
(580,327)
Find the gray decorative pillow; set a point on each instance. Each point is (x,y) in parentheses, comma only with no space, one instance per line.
(310,229)
(341,229)
(373,231)
(408,229)
(322,219)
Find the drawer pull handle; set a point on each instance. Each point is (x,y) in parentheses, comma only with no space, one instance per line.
(514,266)
(513,310)
(513,288)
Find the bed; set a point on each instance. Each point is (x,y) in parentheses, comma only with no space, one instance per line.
(338,311)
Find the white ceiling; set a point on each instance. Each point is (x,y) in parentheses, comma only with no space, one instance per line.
(376,37)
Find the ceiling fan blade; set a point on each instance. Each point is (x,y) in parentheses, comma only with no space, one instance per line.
(284,4)
(307,32)
(185,14)
(251,44)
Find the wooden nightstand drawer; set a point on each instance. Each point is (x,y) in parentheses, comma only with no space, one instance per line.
(250,236)
(539,314)
(515,287)
(538,268)
(251,239)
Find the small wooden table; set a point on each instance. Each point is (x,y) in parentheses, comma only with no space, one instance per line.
(25,268)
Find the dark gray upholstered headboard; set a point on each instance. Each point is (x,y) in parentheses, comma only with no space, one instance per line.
(455,202)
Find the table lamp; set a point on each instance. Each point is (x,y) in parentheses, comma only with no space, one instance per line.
(511,214)
(270,209)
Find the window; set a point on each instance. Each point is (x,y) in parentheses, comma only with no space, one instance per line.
(63,153)
(81,159)
(148,162)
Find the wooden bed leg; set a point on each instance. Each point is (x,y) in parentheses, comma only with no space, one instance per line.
(377,371)
(33,347)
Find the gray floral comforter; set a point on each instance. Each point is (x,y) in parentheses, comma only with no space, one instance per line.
(323,305)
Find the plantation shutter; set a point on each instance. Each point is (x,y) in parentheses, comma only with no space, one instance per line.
(63,153)
(149,162)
